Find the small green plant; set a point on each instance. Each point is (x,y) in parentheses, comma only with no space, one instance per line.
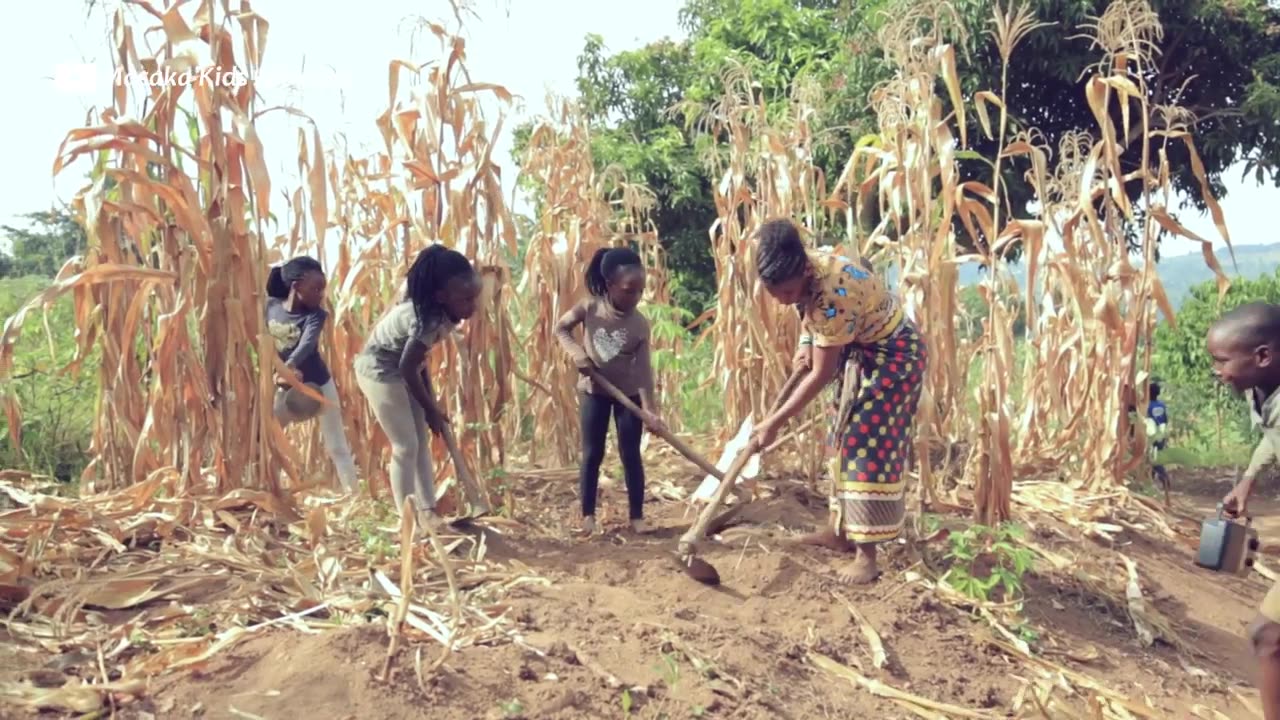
(931,523)
(512,708)
(986,559)
(375,542)
(498,481)
(626,703)
(669,669)
(139,639)
(1027,633)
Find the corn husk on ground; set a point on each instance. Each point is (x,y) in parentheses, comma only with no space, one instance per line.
(144,580)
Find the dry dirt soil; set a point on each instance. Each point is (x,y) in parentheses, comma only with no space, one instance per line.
(620,608)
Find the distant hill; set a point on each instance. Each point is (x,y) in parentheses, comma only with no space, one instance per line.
(1182,272)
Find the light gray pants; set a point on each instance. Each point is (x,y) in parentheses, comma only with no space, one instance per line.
(331,431)
(405,424)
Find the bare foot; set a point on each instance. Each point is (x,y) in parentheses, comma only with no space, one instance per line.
(824,539)
(639,527)
(588,527)
(861,570)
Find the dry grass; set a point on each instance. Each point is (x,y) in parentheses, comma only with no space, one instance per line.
(228,566)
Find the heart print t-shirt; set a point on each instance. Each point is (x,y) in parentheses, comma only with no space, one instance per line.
(618,344)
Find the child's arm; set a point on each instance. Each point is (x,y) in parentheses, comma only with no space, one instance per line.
(644,365)
(564,333)
(1263,454)
(309,343)
(1236,500)
(418,382)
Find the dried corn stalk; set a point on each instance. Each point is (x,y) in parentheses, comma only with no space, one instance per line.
(762,168)
(1091,314)
(170,287)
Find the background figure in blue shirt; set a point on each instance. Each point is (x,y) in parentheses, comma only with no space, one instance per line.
(1158,415)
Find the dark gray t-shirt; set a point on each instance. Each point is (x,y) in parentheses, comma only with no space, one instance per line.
(380,358)
(297,339)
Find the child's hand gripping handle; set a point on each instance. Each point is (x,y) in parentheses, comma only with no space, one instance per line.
(1233,513)
(475,493)
(663,433)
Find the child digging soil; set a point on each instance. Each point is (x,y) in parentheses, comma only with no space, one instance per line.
(1243,345)
(615,345)
(442,291)
(848,314)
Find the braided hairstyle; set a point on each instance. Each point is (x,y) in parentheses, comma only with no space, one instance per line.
(604,264)
(780,254)
(282,277)
(431,273)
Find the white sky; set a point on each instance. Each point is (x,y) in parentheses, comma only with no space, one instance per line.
(520,44)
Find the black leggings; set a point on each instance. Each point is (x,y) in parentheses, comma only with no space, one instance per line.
(594,411)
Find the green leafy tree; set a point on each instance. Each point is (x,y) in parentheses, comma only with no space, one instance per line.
(1219,59)
(41,249)
(1182,364)
(636,100)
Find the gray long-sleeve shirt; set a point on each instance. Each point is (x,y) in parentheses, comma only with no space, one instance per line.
(297,339)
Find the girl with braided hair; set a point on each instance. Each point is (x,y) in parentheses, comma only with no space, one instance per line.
(848,314)
(442,291)
(615,345)
(295,320)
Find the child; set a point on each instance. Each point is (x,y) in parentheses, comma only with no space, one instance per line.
(1244,344)
(616,345)
(848,314)
(1158,415)
(442,291)
(1157,424)
(295,319)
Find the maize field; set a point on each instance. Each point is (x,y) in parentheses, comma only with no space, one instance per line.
(184,221)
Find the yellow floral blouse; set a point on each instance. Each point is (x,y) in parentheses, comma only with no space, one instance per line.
(849,305)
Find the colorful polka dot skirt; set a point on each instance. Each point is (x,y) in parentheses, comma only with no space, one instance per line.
(868,450)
